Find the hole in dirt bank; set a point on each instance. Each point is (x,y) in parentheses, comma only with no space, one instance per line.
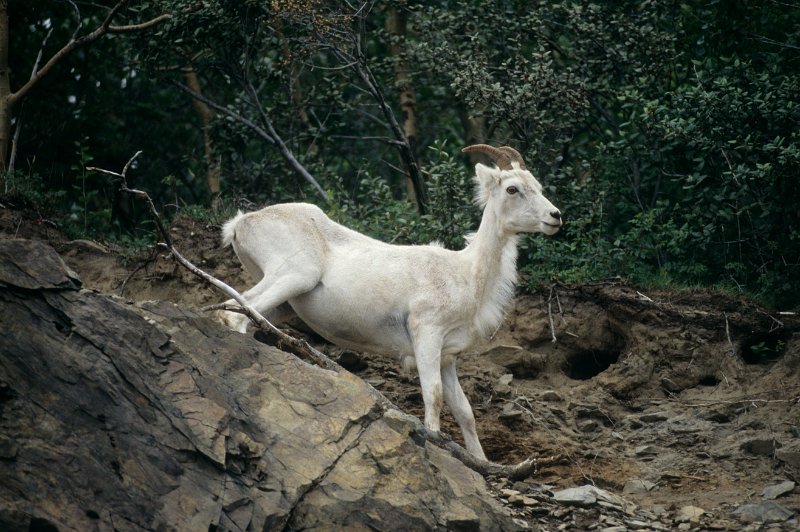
(763,349)
(709,380)
(584,365)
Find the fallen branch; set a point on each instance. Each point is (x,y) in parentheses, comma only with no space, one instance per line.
(305,351)
(77,42)
(294,345)
(518,471)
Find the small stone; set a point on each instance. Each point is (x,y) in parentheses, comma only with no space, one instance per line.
(521,500)
(690,513)
(502,386)
(522,524)
(587,496)
(576,496)
(638,485)
(761,446)
(654,417)
(789,456)
(509,493)
(520,486)
(765,512)
(510,412)
(776,490)
(670,385)
(529,501)
(551,396)
(587,425)
(636,523)
(646,450)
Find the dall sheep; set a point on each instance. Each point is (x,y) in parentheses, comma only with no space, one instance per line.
(424,303)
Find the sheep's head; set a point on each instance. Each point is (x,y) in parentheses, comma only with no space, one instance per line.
(513,193)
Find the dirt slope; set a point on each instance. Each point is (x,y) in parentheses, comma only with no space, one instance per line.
(668,399)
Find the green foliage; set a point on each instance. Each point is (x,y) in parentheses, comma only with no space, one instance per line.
(373,210)
(667,133)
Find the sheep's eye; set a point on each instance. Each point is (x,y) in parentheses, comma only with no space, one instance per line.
(512,190)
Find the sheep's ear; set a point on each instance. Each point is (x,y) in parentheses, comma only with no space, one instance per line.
(486,178)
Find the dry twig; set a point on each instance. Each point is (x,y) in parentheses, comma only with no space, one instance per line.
(550,315)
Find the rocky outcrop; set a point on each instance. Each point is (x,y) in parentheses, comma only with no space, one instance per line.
(150,416)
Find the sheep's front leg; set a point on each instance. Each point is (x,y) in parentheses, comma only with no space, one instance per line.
(428,354)
(461,409)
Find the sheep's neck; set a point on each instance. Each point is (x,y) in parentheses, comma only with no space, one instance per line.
(493,256)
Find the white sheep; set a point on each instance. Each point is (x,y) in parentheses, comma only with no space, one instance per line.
(424,303)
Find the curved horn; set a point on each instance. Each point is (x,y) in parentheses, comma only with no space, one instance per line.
(500,157)
(513,155)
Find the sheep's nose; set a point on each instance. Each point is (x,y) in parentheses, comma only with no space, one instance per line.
(556,215)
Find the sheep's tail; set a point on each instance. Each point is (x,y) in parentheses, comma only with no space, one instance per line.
(229,229)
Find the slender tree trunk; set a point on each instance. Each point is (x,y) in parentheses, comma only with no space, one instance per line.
(296,87)
(9,100)
(396,26)
(473,132)
(5,89)
(213,160)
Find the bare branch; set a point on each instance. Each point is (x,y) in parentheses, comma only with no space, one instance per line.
(286,153)
(79,22)
(550,315)
(226,111)
(132,28)
(297,346)
(76,42)
(518,471)
(357,60)
(18,126)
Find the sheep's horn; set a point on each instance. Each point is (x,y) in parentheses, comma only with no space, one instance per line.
(499,156)
(513,155)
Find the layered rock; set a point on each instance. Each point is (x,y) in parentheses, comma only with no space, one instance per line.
(150,416)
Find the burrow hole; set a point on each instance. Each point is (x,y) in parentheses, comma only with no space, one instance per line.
(583,365)
(763,349)
(709,380)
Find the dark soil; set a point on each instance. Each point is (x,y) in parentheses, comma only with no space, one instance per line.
(696,393)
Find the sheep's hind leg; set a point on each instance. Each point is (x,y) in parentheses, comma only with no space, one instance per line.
(461,409)
(269,297)
(427,352)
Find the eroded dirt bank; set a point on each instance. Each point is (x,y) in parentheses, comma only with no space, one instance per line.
(670,400)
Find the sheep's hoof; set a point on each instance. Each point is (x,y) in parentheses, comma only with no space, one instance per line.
(422,434)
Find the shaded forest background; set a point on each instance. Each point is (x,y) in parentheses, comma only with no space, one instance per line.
(665,131)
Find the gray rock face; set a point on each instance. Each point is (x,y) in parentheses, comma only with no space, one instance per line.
(765,512)
(588,495)
(776,490)
(154,417)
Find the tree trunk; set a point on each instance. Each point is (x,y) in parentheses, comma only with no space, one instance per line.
(213,160)
(5,90)
(8,99)
(396,26)
(473,132)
